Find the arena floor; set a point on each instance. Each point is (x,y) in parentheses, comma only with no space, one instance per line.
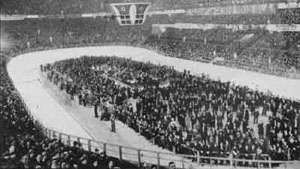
(55,111)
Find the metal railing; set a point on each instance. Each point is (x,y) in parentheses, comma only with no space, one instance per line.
(162,159)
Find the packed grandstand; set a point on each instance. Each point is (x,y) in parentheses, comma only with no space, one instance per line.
(177,111)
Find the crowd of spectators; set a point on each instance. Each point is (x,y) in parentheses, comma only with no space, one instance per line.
(55,32)
(24,146)
(35,7)
(217,114)
(184,113)
(245,19)
(14,120)
(255,50)
(94,6)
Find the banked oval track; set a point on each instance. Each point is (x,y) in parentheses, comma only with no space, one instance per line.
(24,72)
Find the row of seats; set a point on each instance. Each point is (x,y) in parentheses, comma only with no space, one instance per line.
(53,6)
(249,48)
(237,47)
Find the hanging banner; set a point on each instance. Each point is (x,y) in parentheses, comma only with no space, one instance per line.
(12,17)
(234,10)
(122,12)
(288,5)
(130,13)
(234,27)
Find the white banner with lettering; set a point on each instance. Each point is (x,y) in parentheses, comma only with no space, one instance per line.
(233,10)
(235,27)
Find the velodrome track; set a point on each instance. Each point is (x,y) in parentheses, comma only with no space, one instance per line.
(24,71)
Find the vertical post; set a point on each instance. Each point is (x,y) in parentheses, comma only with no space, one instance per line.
(230,161)
(53,134)
(89,145)
(46,132)
(49,134)
(139,158)
(270,164)
(78,139)
(60,136)
(198,157)
(69,140)
(139,128)
(182,161)
(104,147)
(158,161)
(120,153)
(59,156)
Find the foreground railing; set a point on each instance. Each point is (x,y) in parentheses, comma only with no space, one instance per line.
(159,158)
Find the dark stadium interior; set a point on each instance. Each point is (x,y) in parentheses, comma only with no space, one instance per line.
(212,117)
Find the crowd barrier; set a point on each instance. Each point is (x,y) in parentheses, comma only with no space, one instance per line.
(138,156)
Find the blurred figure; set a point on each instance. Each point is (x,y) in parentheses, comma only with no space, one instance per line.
(113,123)
(172,165)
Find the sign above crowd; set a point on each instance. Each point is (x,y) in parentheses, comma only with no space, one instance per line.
(234,27)
(288,5)
(130,13)
(234,10)
(134,13)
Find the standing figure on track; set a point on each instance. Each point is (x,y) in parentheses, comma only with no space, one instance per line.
(113,123)
(96,105)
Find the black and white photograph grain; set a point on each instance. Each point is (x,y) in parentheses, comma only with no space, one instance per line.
(150,84)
